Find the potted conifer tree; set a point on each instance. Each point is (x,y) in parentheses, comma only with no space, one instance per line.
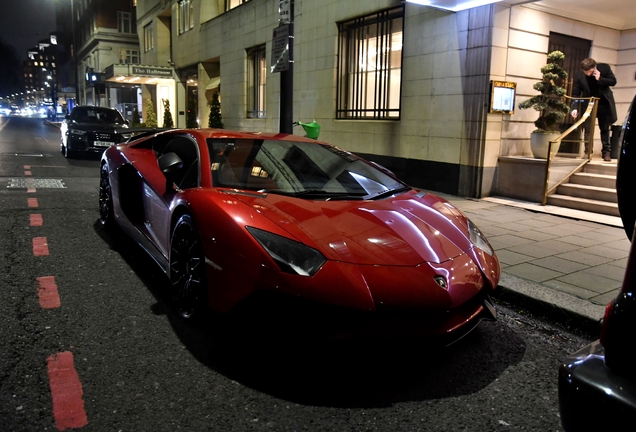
(550,105)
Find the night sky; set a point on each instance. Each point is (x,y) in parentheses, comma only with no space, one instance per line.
(24,22)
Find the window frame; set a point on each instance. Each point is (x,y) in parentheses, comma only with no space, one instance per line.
(357,75)
(256,81)
(185,16)
(123,19)
(128,54)
(149,37)
(231,4)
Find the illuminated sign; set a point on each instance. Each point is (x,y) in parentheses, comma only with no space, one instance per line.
(502,97)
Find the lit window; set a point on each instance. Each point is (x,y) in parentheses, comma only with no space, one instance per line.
(231,4)
(128,56)
(149,37)
(186,16)
(370,66)
(256,76)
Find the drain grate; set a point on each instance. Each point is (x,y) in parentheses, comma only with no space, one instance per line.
(22,183)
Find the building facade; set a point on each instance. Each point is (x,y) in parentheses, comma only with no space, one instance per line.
(402,84)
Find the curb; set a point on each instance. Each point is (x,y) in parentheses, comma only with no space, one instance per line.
(567,310)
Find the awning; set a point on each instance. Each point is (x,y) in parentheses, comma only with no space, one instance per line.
(213,83)
(136,74)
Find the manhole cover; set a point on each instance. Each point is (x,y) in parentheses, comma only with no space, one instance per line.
(22,183)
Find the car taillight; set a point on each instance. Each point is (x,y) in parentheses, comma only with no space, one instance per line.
(608,312)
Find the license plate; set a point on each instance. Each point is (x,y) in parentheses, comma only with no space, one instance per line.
(103,143)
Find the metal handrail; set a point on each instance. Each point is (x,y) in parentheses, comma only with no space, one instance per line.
(592,107)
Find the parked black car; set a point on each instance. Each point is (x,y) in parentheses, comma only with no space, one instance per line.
(597,385)
(91,129)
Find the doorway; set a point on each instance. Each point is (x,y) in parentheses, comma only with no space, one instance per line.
(575,50)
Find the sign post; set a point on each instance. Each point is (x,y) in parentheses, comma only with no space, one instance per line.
(282,61)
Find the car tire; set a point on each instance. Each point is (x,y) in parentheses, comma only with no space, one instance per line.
(188,281)
(106,215)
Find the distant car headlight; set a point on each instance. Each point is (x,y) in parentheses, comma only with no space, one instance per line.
(291,256)
(478,239)
(77,132)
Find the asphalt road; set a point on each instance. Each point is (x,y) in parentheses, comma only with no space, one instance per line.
(142,369)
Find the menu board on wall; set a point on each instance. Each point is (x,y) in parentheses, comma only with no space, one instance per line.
(502,97)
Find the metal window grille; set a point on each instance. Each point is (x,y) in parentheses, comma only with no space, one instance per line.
(370,66)
(256,77)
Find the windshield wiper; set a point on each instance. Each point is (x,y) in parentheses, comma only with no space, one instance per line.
(389,193)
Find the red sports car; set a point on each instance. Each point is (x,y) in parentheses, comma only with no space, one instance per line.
(236,216)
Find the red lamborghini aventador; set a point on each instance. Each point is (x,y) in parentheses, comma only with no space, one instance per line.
(233,216)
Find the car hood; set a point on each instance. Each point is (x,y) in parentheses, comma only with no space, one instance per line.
(97,127)
(405,230)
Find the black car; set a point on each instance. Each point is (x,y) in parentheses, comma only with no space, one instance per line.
(91,129)
(597,384)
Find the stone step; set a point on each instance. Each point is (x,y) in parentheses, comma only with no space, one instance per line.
(585,204)
(591,179)
(589,192)
(600,168)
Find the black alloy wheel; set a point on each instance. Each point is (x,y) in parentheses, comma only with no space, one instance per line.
(187,269)
(106,216)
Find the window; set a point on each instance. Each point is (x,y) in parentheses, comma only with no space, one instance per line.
(256,75)
(186,16)
(231,4)
(370,66)
(127,56)
(124,22)
(149,37)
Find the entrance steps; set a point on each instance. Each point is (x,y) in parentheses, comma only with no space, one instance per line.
(593,190)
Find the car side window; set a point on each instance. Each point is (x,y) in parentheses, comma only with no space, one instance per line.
(186,149)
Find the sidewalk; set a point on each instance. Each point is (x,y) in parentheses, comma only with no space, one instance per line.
(570,261)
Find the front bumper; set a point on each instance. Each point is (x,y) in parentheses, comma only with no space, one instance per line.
(591,396)
(91,142)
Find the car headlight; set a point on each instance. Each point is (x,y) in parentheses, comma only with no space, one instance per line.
(291,256)
(77,132)
(478,239)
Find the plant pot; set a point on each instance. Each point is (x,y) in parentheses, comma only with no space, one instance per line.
(539,142)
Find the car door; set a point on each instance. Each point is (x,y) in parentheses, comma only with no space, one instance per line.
(158,194)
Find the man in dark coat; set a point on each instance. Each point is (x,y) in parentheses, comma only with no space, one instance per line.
(595,79)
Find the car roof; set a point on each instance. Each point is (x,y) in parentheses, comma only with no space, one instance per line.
(93,107)
(233,134)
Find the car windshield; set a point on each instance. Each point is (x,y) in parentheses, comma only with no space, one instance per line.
(308,170)
(96,115)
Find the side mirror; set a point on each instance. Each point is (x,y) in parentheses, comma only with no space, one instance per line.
(170,164)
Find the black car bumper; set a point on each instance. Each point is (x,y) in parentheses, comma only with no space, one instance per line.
(591,396)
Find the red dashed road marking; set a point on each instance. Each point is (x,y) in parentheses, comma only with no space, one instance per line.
(40,246)
(66,391)
(36,219)
(27,167)
(47,292)
(32,202)
(28,173)
(30,190)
